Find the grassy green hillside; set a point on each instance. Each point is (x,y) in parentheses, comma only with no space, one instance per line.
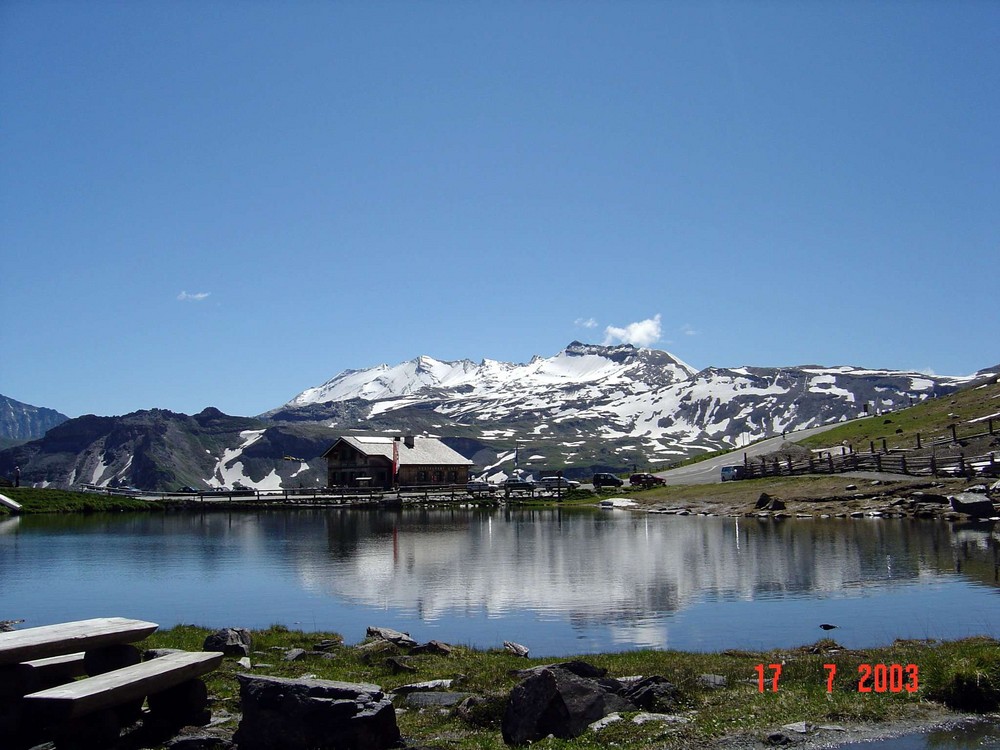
(931,419)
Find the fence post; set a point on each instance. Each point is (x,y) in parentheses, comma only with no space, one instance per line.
(954,437)
(902,464)
(961,464)
(871,446)
(918,441)
(934,465)
(885,448)
(829,458)
(878,462)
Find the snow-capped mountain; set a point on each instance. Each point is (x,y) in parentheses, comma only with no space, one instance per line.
(588,408)
(604,406)
(577,366)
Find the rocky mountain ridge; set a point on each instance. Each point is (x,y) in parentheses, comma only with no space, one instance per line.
(588,408)
(19,421)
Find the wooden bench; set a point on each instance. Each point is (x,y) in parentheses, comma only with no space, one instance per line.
(90,713)
(29,676)
(121,686)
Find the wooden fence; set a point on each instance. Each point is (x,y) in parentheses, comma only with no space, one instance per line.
(951,462)
(897,462)
(313,496)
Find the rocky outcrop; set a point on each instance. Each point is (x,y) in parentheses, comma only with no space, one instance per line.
(767,502)
(973,504)
(402,640)
(284,714)
(653,694)
(230,641)
(555,701)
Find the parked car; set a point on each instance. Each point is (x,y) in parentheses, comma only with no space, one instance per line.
(646,480)
(606,480)
(477,486)
(519,485)
(554,483)
(731,473)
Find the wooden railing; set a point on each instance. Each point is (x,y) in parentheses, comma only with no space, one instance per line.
(310,496)
(896,462)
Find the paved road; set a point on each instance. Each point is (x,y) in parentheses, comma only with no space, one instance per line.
(708,471)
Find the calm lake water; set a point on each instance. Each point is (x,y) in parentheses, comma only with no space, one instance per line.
(560,582)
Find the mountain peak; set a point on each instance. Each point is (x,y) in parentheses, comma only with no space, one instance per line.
(576,365)
(19,421)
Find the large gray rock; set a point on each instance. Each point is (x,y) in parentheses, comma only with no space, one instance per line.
(577,667)
(557,702)
(653,694)
(973,504)
(768,502)
(393,636)
(283,714)
(230,641)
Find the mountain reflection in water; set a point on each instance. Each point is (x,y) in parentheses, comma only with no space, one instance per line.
(560,581)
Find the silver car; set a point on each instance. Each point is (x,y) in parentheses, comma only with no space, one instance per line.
(552,483)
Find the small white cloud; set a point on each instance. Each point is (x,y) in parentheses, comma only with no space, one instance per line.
(585,323)
(642,333)
(192,296)
(688,330)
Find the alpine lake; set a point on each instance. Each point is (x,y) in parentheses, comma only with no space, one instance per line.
(561,581)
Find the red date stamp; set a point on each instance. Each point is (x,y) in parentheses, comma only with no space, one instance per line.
(872,678)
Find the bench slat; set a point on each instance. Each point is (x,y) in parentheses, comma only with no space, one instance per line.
(30,676)
(122,685)
(82,635)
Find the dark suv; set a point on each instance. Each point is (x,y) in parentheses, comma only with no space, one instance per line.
(646,480)
(606,480)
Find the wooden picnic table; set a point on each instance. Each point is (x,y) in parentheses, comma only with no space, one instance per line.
(69,637)
(39,692)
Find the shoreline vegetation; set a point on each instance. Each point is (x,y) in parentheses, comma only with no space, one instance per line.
(723,699)
(834,496)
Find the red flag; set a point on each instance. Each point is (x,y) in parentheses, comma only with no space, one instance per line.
(395,461)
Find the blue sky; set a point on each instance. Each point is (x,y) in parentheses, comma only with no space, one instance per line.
(225,203)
